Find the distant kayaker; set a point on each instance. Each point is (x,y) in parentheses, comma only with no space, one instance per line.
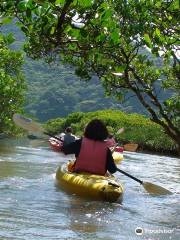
(111,143)
(91,151)
(68,137)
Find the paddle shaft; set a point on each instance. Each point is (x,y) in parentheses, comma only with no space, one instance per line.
(127,174)
(50,135)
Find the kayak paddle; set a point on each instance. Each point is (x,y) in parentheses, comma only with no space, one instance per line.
(121,130)
(149,187)
(131,147)
(30,125)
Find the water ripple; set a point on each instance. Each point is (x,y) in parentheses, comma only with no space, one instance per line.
(32,207)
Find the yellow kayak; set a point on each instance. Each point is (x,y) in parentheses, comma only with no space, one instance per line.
(118,157)
(89,185)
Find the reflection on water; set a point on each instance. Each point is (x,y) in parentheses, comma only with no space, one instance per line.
(32,207)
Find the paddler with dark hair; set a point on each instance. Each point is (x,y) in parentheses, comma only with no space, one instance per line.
(68,137)
(91,151)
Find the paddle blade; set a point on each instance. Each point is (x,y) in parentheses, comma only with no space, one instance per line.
(155,189)
(121,130)
(131,147)
(27,123)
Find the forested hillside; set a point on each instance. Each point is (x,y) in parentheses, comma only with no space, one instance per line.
(55,91)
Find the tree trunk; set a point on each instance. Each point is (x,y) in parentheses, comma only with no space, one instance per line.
(169,128)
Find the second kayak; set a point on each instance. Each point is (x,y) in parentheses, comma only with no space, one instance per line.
(55,144)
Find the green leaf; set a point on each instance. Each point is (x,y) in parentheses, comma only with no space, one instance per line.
(30,4)
(85,3)
(6,20)
(174,5)
(115,37)
(75,33)
(59,2)
(158,3)
(107,14)
(147,40)
(52,30)
(120,68)
(170,18)
(101,37)
(157,32)
(22,5)
(9,38)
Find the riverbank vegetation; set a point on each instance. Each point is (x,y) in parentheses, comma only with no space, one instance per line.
(138,129)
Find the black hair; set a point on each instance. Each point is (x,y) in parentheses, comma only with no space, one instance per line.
(96,130)
(68,130)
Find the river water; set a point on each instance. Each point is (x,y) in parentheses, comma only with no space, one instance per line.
(32,207)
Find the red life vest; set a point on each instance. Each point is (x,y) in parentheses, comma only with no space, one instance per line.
(110,142)
(92,157)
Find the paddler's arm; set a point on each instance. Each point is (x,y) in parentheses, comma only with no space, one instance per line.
(111,166)
(72,148)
